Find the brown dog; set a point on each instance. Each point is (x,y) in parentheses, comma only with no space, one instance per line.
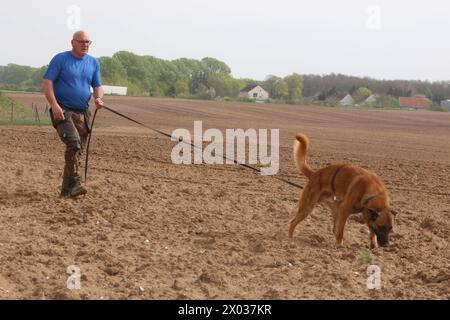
(345,189)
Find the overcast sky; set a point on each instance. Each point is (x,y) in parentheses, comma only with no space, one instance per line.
(383,39)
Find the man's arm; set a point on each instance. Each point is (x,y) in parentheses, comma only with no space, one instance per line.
(47,87)
(98,95)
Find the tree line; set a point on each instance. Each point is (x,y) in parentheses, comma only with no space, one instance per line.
(210,78)
(328,85)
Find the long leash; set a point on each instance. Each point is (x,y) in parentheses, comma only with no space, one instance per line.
(170,136)
(87,147)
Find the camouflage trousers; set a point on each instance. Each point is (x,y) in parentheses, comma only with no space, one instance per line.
(73,132)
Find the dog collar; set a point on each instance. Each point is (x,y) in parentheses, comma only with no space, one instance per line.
(333,180)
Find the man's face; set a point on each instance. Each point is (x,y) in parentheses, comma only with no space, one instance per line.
(80,44)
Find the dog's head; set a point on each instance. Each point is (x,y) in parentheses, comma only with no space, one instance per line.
(379,217)
(380,222)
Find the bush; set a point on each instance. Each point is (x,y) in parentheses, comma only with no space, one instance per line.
(384,101)
(436,107)
(244,99)
(224,99)
(332,102)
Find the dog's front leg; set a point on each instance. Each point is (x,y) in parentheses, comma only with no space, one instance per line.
(372,239)
(341,220)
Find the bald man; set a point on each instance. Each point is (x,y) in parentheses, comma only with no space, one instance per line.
(67,85)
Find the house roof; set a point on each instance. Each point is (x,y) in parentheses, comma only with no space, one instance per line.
(341,95)
(370,98)
(407,102)
(249,87)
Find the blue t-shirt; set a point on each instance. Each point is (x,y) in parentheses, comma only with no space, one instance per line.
(72,79)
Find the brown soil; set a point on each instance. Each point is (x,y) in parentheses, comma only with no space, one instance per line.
(149,229)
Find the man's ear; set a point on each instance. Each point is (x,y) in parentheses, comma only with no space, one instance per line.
(373,214)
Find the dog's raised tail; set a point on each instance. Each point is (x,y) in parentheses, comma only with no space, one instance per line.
(301,147)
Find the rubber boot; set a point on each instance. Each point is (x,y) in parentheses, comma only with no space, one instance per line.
(66,184)
(71,181)
(77,189)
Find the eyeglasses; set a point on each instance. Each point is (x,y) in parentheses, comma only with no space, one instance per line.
(88,42)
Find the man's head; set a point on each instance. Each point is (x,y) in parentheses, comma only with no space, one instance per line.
(80,43)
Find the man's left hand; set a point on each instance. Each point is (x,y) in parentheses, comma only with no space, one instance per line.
(99,103)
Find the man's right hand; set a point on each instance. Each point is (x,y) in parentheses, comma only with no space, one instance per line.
(58,113)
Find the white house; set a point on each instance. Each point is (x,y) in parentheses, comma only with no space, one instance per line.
(254,92)
(114,90)
(370,99)
(445,104)
(121,91)
(346,100)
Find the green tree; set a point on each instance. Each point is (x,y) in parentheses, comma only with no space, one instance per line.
(361,94)
(214,66)
(136,71)
(269,85)
(182,87)
(295,85)
(384,101)
(112,71)
(38,75)
(15,74)
(194,70)
(281,90)
(224,85)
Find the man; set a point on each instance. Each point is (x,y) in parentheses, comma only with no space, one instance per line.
(66,85)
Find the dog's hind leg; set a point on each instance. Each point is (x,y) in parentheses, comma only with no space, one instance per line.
(334,208)
(305,207)
(302,213)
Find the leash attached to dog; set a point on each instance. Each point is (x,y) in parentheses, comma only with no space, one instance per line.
(87,147)
(169,136)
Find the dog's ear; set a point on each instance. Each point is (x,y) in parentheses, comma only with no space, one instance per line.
(373,214)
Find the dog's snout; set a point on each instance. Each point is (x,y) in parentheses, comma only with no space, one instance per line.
(383,241)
